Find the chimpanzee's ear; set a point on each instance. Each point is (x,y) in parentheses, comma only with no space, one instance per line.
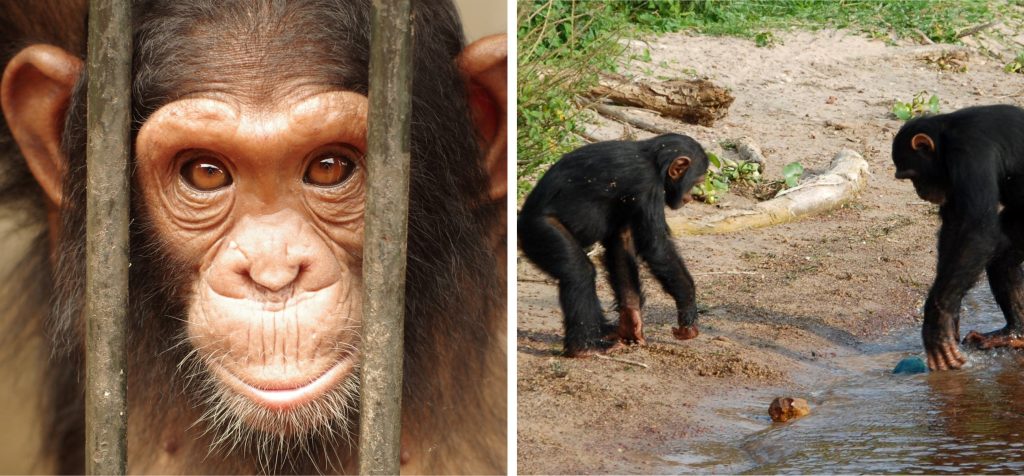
(34,93)
(678,167)
(922,142)
(484,64)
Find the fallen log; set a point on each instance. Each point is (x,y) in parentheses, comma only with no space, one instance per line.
(615,114)
(847,176)
(695,101)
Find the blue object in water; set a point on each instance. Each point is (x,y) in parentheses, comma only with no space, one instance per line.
(911,365)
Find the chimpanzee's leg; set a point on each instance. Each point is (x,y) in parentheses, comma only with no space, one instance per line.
(1006,279)
(547,243)
(624,277)
(654,245)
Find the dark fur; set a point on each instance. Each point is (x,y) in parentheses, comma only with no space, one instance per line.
(977,165)
(449,371)
(596,193)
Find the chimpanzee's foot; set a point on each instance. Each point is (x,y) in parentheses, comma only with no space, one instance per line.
(594,348)
(1005,337)
(630,329)
(685,333)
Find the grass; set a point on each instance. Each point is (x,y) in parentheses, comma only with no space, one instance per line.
(940,20)
(565,44)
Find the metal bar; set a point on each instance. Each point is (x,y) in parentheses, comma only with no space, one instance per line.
(386,230)
(108,64)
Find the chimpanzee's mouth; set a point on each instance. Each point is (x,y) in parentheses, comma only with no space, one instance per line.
(290,393)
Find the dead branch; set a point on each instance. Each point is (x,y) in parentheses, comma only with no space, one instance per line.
(975,29)
(623,361)
(695,101)
(614,113)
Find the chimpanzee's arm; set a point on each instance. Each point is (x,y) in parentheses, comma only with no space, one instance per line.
(967,240)
(655,245)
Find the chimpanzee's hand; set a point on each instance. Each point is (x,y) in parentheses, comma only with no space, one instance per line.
(941,342)
(687,324)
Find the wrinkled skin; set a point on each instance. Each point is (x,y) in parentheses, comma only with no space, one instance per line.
(275,310)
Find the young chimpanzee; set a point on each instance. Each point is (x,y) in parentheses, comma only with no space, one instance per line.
(613,192)
(970,162)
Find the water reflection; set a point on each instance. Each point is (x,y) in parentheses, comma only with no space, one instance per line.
(966,421)
(982,421)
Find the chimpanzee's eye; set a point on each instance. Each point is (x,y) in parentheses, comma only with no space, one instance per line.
(330,168)
(206,174)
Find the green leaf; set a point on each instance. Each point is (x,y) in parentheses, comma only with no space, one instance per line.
(791,173)
(933,104)
(902,111)
(714,160)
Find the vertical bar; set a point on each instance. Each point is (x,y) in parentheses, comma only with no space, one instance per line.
(108,64)
(384,251)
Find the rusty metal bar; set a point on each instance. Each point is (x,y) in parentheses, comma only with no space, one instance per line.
(108,64)
(386,230)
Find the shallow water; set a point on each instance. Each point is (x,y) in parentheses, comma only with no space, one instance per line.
(871,421)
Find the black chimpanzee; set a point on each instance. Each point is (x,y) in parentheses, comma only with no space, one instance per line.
(970,162)
(613,192)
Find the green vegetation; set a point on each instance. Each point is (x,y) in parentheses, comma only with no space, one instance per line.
(917,107)
(721,174)
(791,174)
(765,39)
(564,44)
(1015,66)
(939,20)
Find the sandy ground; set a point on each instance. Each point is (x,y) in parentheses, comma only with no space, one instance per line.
(781,305)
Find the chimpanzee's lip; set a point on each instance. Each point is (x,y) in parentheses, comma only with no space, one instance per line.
(289,396)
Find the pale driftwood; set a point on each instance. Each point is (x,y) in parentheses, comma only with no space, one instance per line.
(846,177)
(696,101)
(614,113)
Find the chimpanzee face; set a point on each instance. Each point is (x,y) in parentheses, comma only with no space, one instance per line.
(267,202)
(916,159)
(683,175)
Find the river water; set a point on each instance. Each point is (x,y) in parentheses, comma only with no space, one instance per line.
(868,420)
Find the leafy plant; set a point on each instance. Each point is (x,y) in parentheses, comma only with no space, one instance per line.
(918,106)
(563,46)
(723,172)
(1015,66)
(952,60)
(765,39)
(791,174)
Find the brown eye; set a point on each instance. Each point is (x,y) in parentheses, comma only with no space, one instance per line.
(206,174)
(329,170)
